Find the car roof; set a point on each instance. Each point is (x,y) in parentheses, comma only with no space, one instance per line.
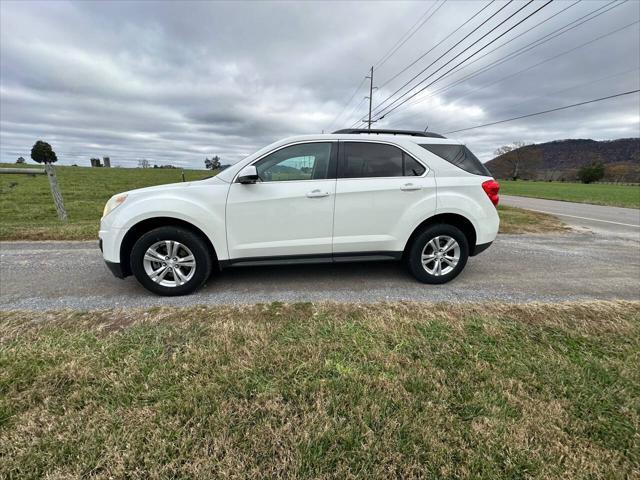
(388,131)
(391,138)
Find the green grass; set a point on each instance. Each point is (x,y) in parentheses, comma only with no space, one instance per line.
(323,391)
(598,194)
(27,210)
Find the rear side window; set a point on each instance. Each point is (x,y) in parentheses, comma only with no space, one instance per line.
(460,156)
(364,160)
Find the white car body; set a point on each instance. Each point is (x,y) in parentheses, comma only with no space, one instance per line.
(309,220)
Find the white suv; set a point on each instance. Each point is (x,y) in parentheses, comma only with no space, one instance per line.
(347,196)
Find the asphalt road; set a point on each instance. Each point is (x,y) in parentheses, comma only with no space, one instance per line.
(610,221)
(517,268)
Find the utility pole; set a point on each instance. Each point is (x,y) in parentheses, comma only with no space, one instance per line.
(370,97)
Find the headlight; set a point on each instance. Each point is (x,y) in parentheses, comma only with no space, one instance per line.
(113,202)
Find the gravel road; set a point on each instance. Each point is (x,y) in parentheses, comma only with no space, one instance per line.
(517,268)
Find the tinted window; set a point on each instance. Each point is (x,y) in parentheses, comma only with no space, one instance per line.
(307,161)
(362,160)
(412,167)
(460,156)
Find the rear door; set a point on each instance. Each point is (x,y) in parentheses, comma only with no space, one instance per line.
(289,212)
(381,192)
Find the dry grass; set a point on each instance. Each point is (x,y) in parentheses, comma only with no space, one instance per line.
(518,220)
(323,391)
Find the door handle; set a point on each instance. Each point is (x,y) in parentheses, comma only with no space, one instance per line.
(408,187)
(317,193)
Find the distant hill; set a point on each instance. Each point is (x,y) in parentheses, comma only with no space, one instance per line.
(561,160)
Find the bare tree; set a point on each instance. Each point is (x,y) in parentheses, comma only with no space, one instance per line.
(511,155)
(144,163)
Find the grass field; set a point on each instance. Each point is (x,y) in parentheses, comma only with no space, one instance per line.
(27,211)
(323,391)
(598,194)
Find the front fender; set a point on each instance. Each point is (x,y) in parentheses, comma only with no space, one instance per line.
(203,210)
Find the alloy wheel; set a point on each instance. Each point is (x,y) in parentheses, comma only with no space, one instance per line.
(169,263)
(440,255)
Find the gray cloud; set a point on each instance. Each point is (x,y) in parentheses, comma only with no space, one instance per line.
(175,81)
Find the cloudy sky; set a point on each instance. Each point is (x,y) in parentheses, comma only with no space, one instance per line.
(174,82)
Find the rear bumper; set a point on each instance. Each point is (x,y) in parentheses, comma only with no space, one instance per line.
(480,248)
(115,268)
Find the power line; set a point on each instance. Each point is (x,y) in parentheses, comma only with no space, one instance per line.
(445,53)
(498,61)
(566,52)
(420,23)
(463,61)
(354,109)
(436,45)
(578,86)
(529,29)
(389,54)
(348,102)
(573,87)
(544,111)
(530,46)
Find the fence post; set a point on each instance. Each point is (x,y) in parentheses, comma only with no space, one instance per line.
(55,191)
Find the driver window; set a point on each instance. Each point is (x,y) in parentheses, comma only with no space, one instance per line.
(306,161)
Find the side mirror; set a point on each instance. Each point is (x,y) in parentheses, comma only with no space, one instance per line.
(248,174)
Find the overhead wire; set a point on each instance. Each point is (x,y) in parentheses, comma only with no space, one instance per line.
(530,46)
(436,45)
(347,104)
(504,78)
(378,114)
(420,23)
(544,111)
(454,46)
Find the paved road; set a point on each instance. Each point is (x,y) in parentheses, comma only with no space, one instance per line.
(624,222)
(516,268)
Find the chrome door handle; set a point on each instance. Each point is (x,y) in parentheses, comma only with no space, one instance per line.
(317,193)
(408,187)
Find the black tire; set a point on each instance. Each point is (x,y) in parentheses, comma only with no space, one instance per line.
(414,257)
(192,241)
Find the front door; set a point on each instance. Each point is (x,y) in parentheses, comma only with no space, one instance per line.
(289,211)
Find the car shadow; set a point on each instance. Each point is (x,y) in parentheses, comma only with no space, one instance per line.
(329,276)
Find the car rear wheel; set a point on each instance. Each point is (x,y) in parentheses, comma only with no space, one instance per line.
(171,261)
(438,254)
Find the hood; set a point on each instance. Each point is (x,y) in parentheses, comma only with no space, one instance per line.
(173,186)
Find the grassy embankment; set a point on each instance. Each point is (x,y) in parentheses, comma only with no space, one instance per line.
(27,211)
(598,194)
(323,391)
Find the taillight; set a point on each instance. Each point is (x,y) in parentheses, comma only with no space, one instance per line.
(491,188)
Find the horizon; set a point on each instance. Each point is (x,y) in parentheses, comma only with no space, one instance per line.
(175,84)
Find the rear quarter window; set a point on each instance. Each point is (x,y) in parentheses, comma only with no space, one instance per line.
(460,156)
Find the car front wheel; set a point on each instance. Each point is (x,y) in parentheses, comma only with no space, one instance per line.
(171,261)
(438,254)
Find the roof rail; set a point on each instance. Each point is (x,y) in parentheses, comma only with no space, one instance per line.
(413,133)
